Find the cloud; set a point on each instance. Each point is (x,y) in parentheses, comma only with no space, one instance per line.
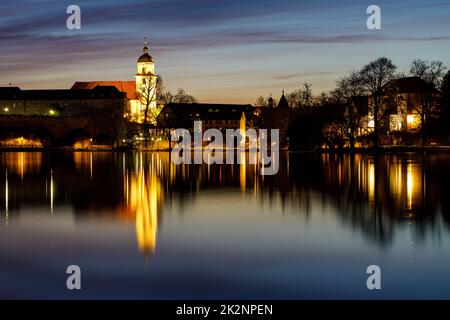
(34,41)
(301,75)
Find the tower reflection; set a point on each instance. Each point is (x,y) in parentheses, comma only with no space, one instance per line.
(144,196)
(372,194)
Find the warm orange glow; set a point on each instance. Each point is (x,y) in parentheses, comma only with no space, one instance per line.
(6,198)
(396,179)
(409,184)
(21,142)
(242,172)
(23,162)
(413,121)
(371,182)
(83,144)
(143,196)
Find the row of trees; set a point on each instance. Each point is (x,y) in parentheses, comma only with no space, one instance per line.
(371,81)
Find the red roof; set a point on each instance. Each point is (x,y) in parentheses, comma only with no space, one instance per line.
(129,87)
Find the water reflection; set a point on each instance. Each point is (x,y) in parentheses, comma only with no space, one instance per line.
(22,163)
(143,200)
(373,195)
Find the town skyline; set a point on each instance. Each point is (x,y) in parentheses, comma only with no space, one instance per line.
(213,49)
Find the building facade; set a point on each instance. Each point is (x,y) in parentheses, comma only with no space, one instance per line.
(141,93)
(14,101)
(405,104)
(212,116)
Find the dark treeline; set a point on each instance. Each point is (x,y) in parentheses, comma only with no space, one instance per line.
(375,106)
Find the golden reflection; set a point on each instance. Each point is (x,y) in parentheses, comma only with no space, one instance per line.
(396,179)
(399,183)
(6,198)
(409,187)
(22,163)
(83,160)
(413,185)
(143,197)
(21,142)
(371,182)
(242,171)
(51,191)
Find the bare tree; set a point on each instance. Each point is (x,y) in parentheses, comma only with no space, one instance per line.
(147,93)
(428,104)
(182,97)
(265,102)
(261,102)
(346,95)
(373,77)
(431,72)
(166,97)
(302,97)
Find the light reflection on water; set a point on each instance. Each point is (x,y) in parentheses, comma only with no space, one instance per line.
(139,218)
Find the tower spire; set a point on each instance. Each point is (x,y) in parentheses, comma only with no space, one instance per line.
(271,104)
(145,45)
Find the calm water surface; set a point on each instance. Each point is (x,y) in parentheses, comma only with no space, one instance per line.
(141,227)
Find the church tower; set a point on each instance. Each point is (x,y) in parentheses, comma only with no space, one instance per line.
(146,80)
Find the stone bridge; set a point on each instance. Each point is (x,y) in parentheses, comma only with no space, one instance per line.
(64,130)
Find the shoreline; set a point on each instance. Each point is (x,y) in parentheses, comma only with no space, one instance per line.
(381,150)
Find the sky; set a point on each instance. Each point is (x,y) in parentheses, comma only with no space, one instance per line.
(224,51)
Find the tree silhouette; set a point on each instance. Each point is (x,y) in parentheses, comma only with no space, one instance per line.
(428,104)
(373,77)
(346,94)
(147,93)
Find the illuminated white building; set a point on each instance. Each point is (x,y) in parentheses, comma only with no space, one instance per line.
(140,93)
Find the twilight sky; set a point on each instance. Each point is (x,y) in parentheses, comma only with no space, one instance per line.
(218,50)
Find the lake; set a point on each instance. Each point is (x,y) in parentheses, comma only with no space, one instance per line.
(141,227)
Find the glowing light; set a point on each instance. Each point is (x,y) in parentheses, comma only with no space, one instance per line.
(371,186)
(83,144)
(396,123)
(413,121)
(144,197)
(6,197)
(410,185)
(242,172)
(23,162)
(21,142)
(51,191)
